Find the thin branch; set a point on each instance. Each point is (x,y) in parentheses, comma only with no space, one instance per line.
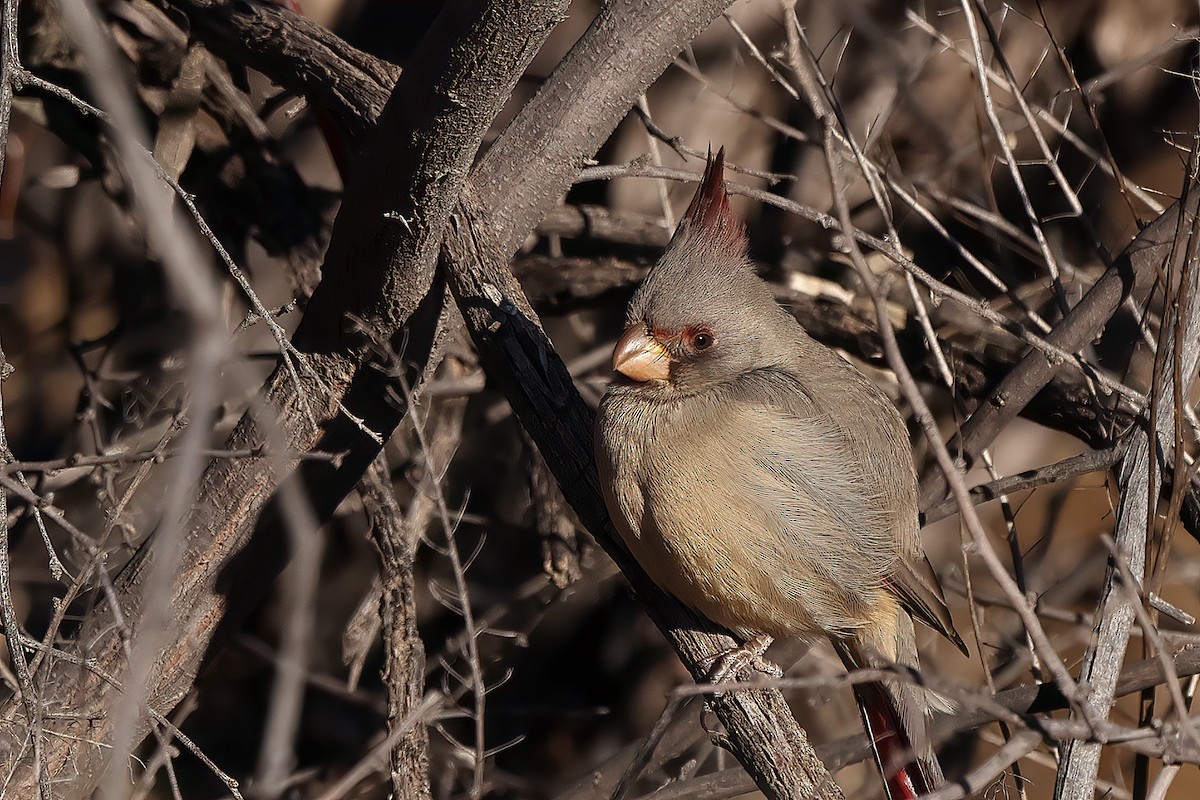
(1068,468)
(30,693)
(377,757)
(982,775)
(277,754)
(970,8)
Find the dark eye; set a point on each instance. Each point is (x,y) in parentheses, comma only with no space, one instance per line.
(703,340)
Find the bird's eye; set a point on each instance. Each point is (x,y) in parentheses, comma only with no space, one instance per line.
(703,340)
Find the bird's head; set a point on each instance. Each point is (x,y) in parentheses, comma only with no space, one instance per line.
(702,317)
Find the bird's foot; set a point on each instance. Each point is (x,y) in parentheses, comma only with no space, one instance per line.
(741,663)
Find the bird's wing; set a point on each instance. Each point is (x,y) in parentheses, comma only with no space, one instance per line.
(919,590)
(815,461)
(806,467)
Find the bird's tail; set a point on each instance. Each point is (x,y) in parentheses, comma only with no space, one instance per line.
(894,714)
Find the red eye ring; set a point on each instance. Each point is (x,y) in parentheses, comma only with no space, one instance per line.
(702,340)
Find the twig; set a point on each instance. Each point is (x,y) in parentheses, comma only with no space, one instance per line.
(674,708)
(1026,699)
(913,394)
(78,461)
(969,8)
(758,56)
(539,155)
(656,158)
(12,77)
(1043,115)
(377,758)
(989,769)
(1090,107)
(277,754)
(92,666)
(292,358)
(30,693)
(1068,468)
(435,472)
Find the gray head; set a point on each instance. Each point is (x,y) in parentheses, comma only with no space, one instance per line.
(703,317)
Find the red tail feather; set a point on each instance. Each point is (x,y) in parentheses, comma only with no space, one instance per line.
(905,774)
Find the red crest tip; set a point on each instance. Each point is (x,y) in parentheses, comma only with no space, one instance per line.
(709,212)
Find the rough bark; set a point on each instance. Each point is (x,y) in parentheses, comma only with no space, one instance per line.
(404,654)
(298,54)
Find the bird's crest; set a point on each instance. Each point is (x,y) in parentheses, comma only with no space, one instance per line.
(709,214)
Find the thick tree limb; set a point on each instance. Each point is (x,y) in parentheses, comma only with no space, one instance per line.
(379,270)
(296,53)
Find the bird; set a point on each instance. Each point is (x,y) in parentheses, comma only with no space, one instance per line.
(763,480)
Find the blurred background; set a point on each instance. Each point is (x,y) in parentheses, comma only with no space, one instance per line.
(577,671)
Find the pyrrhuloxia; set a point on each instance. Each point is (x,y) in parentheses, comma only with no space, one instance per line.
(766,482)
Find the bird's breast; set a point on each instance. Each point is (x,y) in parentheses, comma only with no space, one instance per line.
(675,481)
(625,430)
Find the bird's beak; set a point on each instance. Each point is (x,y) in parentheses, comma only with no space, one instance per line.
(640,357)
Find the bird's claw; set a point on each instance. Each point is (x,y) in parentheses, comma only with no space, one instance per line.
(741,663)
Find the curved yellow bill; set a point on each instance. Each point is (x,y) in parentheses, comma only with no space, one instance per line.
(640,357)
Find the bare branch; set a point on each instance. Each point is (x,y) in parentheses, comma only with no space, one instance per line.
(1139,479)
